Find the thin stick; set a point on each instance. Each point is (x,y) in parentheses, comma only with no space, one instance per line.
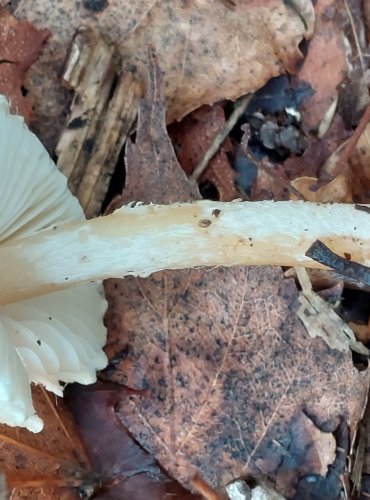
(221,137)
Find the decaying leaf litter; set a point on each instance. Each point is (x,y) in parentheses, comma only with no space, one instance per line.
(170,386)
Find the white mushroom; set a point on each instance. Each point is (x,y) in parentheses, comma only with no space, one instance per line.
(46,339)
(46,247)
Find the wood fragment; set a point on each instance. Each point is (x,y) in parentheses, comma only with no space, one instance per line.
(120,116)
(102,114)
(89,72)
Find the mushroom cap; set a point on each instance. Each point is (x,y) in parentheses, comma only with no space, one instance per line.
(33,193)
(55,338)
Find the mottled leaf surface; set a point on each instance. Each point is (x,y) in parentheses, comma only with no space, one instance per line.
(223,366)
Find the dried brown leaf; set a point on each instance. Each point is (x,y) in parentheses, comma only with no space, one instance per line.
(350,185)
(207,51)
(20,44)
(126,469)
(192,138)
(223,364)
(325,64)
(50,464)
(337,190)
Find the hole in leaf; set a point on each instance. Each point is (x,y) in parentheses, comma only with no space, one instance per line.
(360,361)
(209,191)
(117,182)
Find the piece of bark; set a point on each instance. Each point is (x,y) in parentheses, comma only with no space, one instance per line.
(102,113)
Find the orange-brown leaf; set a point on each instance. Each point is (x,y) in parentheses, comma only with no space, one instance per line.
(20,44)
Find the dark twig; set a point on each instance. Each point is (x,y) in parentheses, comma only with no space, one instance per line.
(352,270)
(363,208)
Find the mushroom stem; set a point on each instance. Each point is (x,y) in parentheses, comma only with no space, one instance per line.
(139,240)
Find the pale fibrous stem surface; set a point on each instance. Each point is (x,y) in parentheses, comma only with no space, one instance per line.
(138,240)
